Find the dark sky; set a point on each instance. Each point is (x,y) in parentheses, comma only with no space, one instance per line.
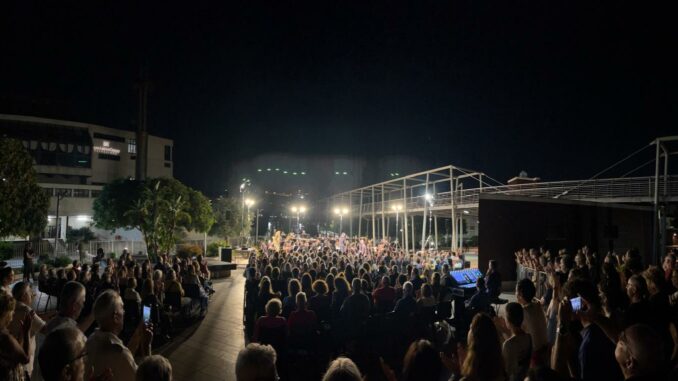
(561,90)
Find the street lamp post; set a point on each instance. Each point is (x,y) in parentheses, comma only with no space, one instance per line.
(256,235)
(59,195)
(340,212)
(249,202)
(397,208)
(243,190)
(301,209)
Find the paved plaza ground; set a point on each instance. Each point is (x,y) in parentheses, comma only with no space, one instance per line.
(210,350)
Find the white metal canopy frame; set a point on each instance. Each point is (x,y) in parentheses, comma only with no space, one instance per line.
(430,194)
(453,193)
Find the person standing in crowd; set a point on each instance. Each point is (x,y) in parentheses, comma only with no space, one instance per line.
(517,349)
(23,294)
(639,307)
(256,362)
(29,256)
(534,320)
(13,353)
(596,352)
(105,349)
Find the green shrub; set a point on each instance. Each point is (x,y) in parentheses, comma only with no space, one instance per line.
(213,248)
(60,261)
(112,255)
(6,251)
(189,251)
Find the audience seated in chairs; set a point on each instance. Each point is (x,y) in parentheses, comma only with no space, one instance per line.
(383,296)
(302,323)
(320,302)
(272,328)
(480,301)
(407,305)
(104,348)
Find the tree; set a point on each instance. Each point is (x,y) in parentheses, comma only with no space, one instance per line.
(111,206)
(160,208)
(228,218)
(80,236)
(23,205)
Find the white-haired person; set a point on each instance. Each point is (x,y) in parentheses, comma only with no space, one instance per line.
(256,362)
(342,369)
(23,294)
(154,368)
(104,348)
(62,357)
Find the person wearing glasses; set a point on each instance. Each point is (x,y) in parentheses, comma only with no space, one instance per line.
(639,354)
(62,355)
(23,294)
(105,349)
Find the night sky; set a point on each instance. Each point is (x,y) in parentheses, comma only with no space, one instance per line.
(560,90)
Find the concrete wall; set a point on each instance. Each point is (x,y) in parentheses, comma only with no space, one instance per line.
(508,224)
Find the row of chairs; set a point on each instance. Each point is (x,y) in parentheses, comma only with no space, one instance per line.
(50,287)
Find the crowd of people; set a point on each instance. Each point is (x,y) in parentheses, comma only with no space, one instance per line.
(98,330)
(379,313)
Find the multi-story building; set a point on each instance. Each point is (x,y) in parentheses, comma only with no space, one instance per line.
(74,160)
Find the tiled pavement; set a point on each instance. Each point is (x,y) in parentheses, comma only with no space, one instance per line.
(210,352)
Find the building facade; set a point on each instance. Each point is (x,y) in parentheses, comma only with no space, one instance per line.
(75,160)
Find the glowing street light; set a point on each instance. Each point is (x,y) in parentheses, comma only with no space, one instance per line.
(341,212)
(397,208)
(249,202)
(243,189)
(301,209)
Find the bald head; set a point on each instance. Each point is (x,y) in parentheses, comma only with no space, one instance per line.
(639,351)
(60,355)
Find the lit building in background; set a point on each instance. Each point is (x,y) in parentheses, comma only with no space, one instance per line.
(74,160)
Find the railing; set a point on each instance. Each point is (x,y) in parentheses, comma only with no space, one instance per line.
(616,189)
(539,278)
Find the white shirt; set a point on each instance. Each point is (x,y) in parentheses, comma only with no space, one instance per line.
(517,353)
(534,323)
(20,312)
(106,350)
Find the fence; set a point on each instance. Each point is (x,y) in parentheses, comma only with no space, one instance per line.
(540,278)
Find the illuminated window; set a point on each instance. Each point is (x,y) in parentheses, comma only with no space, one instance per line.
(132,146)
